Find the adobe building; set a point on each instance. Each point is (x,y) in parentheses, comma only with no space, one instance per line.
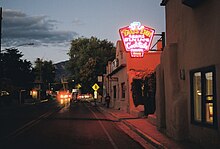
(188,82)
(120,74)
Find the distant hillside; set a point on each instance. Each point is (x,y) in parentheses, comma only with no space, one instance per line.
(60,71)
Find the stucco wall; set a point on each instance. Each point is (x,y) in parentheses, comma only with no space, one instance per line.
(125,74)
(193,38)
(136,65)
(122,77)
(148,62)
(176,113)
(119,102)
(160,98)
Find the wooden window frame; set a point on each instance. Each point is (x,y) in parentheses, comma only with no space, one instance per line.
(204,100)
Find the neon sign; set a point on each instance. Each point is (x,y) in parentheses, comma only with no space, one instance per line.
(136,38)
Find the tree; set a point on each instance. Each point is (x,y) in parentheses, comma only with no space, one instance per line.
(16,73)
(137,92)
(149,93)
(15,69)
(44,71)
(144,90)
(88,58)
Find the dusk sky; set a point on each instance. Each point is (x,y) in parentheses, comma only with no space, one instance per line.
(52,24)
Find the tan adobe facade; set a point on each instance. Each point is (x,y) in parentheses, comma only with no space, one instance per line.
(188,82)
(120,74)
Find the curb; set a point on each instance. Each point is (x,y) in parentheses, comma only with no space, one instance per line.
(146,137)
(149,139)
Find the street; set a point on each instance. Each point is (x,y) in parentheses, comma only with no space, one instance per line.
(49,125)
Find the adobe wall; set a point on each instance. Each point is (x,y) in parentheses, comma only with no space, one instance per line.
(160,99)
(193,38)
(136,65)
(199,47)
(120,103)
(169,94)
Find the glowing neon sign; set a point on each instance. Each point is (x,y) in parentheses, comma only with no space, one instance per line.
(136,38)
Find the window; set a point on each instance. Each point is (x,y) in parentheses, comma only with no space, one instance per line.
(123,90)
(114,92)
(203,97)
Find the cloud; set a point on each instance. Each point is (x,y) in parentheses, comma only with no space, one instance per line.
(18,28)
(78,22)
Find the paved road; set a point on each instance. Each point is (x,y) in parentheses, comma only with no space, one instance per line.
(15,117)
(75,126)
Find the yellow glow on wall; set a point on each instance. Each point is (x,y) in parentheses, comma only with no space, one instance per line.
(33,93)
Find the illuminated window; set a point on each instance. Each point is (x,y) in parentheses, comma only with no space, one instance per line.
(197,91)
(203,97)
(122,90)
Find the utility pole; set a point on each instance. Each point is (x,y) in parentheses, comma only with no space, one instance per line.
(1,73)
(40,87)
(0,29)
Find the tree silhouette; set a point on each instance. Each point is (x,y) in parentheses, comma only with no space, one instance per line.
(15,69)
(88,58)
(44,71)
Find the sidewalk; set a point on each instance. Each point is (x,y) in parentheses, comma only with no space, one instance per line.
(148,131)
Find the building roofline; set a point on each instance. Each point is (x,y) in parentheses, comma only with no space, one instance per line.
(116,70)
(164,2)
